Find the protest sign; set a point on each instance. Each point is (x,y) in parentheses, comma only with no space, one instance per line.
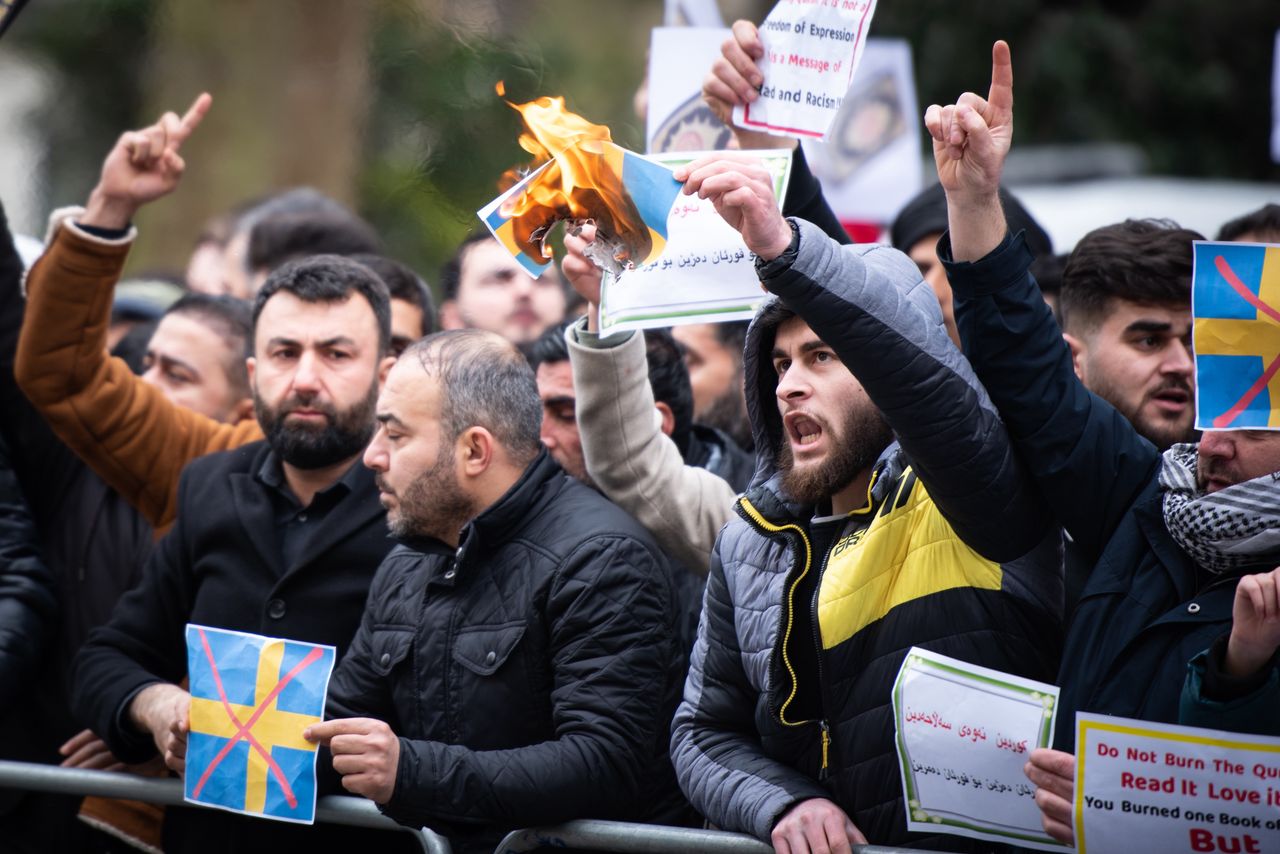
(1178,789)
(677,118)
(1235,302)
(870,165)
(706,274)
(811,50)
(637,196)
(251,699)
(964,733)
(692,13)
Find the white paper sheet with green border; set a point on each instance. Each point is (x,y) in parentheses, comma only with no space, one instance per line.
(705,274)
(964,733)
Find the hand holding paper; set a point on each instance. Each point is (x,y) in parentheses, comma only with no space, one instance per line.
(734,81)
(365,752)
(741,189)
(163,710)
(1054,773)
(583,275)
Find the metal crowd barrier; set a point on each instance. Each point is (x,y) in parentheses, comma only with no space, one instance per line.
(627,838)
(618,836)
(331,809)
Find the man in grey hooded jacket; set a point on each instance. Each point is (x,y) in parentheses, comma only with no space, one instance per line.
(888,511)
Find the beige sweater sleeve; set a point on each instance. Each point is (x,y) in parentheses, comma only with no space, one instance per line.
(633,462)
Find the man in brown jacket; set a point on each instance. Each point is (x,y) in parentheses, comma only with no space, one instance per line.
(127,430)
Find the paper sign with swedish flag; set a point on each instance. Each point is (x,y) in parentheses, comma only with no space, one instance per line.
(649,192)
(1235,300)
(251,699)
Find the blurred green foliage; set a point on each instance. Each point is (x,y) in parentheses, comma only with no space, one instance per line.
(1185,80)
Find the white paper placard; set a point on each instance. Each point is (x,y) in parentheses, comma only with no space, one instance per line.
(811,50)
(678,119)
(870,164)
(1178,789)
(705,275)
(964,733)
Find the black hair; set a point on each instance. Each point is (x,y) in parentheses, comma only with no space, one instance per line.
(1143,261)
(1264,223)
(232,320)
(403,284)
(549,347)
(451,272)
(330,278)
(669,379)
(286,237)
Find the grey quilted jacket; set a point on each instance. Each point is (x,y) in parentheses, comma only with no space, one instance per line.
(958,556)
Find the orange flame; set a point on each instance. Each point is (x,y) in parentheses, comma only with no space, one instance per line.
(579,183)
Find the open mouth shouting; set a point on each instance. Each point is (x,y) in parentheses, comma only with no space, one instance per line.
(803,430)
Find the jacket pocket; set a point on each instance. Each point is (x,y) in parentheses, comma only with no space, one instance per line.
(387,648)
(483,649)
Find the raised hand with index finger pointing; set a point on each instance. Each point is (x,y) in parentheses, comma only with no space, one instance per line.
(971,137)
(143,166)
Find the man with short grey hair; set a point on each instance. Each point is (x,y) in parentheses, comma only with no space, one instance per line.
(521,651)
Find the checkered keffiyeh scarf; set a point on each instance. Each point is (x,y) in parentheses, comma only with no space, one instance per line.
(1232,528)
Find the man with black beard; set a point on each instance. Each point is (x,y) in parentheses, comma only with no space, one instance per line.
(521,653)
(279,537)
(888,511)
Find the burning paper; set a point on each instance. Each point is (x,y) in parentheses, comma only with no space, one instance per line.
(584,176)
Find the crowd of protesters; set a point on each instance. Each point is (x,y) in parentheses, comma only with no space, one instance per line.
(660,576)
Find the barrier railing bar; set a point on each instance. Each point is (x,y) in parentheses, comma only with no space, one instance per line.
(335,809)
(629,838)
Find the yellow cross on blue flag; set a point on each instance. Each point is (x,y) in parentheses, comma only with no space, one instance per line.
(1235,301)
(635,185)
(251,699)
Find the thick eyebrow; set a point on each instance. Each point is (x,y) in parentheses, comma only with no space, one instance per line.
(328,342)
(170,360)
(337,341)
(387,418)
(1149,326)
(559,401)
(806,347)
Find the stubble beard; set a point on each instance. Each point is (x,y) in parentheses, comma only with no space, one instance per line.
(434,504)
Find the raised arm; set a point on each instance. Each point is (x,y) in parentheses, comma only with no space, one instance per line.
(125,429)
(871,306)
(631,460)
(734,80)
(1073,443)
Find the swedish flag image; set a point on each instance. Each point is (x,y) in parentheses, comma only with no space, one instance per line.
(251,699)
(1235,301)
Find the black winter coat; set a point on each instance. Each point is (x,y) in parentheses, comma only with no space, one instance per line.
(1146,608)
(93,544)
(220,566)
(531,675)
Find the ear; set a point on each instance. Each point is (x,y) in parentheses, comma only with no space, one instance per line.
(668,423)
(1078,353)
(242,411)
(449,316)
(475,452)
(384,368)
(251,365)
